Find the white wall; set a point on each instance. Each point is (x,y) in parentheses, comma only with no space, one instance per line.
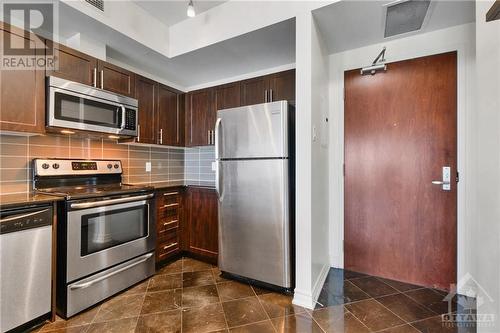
(486,177)
(459,38)
(311,162)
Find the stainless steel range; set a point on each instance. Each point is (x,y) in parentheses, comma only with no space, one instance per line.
(105,237)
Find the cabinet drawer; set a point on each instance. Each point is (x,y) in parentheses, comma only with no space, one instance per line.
(169,198)
(166,249)
(164,225)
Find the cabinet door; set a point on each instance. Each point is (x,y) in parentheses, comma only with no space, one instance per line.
(22,96)
(203,222)
(227,96)
(254,91)
(282,86)
(200,119)
(168,117)
(147,96)
(75,66)
(116,79)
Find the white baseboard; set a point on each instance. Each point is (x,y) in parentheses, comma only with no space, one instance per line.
(303,299)
(320,281)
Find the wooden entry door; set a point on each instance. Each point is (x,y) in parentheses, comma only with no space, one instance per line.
(400,131)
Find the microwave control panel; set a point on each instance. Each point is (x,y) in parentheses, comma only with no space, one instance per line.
(130,119)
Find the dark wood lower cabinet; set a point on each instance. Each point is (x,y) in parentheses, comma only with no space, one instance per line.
(187,222)
(202,223)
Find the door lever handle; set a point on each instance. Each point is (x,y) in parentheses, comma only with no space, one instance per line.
(439,182)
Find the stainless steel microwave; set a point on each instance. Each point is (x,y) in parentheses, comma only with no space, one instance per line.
(75,106)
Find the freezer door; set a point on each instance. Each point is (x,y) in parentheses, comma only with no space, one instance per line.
(252,131)
(254,228)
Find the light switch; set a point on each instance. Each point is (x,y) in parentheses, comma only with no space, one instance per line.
(214,166)
(148,166)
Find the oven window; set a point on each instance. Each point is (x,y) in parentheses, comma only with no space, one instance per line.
(80,110)
(107,229)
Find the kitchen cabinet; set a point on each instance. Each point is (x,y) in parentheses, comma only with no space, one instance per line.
(22,97)
(201,237)
(146,92)
(254,91)
(227,96)
(116,79)
(170,117)
(282,86)
(269,88)
(74,65)
(200,118)
(170,213)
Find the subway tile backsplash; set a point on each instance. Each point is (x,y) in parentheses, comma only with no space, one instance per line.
(167,164)
(198,166)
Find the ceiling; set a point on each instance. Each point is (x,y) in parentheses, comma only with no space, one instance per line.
(269,47)
(170,12)
(350,24)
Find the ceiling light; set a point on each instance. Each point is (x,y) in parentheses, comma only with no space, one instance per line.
(190,11)
(67,132)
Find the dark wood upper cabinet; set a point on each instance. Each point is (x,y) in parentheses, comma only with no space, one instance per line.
(227,96)
(147,95)
(254,91)
(282,86)
(116,79)
(22,97)
(270,88)
(74,66)
(200,117)
(169,116)
(202,222)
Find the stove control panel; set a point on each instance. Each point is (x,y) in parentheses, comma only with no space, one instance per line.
(63,167)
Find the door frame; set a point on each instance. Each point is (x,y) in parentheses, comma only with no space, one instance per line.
(464,118)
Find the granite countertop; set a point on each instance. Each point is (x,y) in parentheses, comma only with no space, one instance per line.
(26,199)
(170,184)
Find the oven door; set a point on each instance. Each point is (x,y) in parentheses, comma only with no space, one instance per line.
(104,233)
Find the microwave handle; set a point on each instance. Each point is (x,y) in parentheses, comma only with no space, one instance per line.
(124,112)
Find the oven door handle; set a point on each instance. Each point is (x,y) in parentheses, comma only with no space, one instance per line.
(92,204)
(87,284)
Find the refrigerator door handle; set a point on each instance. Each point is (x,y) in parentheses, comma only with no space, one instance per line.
(218,188)
(217,137)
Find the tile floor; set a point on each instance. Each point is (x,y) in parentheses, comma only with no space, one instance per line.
(189,296)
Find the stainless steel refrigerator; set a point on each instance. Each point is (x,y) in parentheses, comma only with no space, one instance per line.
(254,173)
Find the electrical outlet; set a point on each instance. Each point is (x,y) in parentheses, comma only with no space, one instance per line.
(214,166)
(148,166)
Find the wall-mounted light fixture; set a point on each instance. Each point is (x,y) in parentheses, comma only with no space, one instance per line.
(190,10)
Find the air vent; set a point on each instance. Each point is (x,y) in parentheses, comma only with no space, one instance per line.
(99,4)
(406,16)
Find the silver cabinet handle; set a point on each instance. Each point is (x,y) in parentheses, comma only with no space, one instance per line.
(161,136)
(102,78)
(213,137)
(95,77)
(208,136)
(270,95)
(169,223)
(138,132)
(171,205)
(110,202)
(169,246)
(84,285)
(170,193)
(265,95)
(16,217)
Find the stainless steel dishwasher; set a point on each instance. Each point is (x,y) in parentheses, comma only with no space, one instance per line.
(25,265)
